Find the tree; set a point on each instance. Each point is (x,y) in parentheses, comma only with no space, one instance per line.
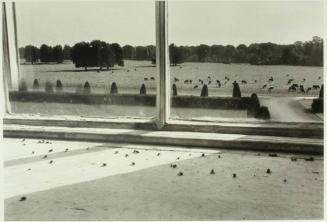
(229,53)
(118,54)
(128,52)
(216,53)
(45,53)
(80,54)
(202,52)
(140,53)
(97,54)
(106,56)
(241,54)
(31,54)
(175,55)
(151,52)
(57,54)
(21,51)
(67,52)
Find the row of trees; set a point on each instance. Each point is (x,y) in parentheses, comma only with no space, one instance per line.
(102,54)
(83,54)
(45,53)
(308,53)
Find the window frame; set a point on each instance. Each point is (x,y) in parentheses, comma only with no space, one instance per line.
(162,119)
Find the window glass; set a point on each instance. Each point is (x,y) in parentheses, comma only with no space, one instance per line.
(246,60)
(86,58)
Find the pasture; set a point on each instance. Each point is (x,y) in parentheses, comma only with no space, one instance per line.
(189,79)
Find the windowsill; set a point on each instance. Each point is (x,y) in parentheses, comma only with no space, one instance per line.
(266,128)
(168,138)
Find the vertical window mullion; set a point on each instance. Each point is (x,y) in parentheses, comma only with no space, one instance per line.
(6,71)
(12,44)
(162,63)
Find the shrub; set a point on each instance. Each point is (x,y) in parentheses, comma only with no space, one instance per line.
(236,90)
(321,93)
(204,91)
(254,105)
(49,87)
(87,87)
(317,105)
(263,113)
(114,88)
(143,90)
(58,85)
(174,88)
(22,86)
(36,84)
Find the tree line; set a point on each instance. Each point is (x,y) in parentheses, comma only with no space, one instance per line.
(45,53)
(101,54)
(309,53)
(83,54)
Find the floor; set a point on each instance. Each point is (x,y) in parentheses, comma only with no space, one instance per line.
(66,180)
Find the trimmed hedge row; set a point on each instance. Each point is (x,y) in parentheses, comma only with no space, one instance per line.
(317,105)
(83,95)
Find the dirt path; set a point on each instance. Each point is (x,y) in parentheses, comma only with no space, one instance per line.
(288,109)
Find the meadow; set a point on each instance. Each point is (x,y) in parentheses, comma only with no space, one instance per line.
(189,79)
(130,77)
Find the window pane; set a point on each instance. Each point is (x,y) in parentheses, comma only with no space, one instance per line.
(229,51)
(86,58)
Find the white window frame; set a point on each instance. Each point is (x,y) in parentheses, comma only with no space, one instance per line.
(163,97)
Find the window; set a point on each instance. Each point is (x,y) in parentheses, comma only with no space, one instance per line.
(245,61)
(207,69)
(93,59)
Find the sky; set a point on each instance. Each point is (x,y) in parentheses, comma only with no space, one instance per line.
(189,22)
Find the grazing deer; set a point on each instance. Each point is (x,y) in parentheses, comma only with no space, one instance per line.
(292,88)
(315,87)
(290,81)
(270,89)
(218,83)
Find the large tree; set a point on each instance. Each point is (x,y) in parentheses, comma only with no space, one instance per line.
(97,54)
(202,52)
(45,53)
(67,52)
(128,52)
(80,54)
(118,54)
(175,55)
(57,54)
(31,54)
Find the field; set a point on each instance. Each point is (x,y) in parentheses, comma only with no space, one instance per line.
(135,73)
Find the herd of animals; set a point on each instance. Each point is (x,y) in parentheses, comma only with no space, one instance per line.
(292,86)
(298,86)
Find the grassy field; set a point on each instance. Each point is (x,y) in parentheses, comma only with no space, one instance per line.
(284,106)
(130,77)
